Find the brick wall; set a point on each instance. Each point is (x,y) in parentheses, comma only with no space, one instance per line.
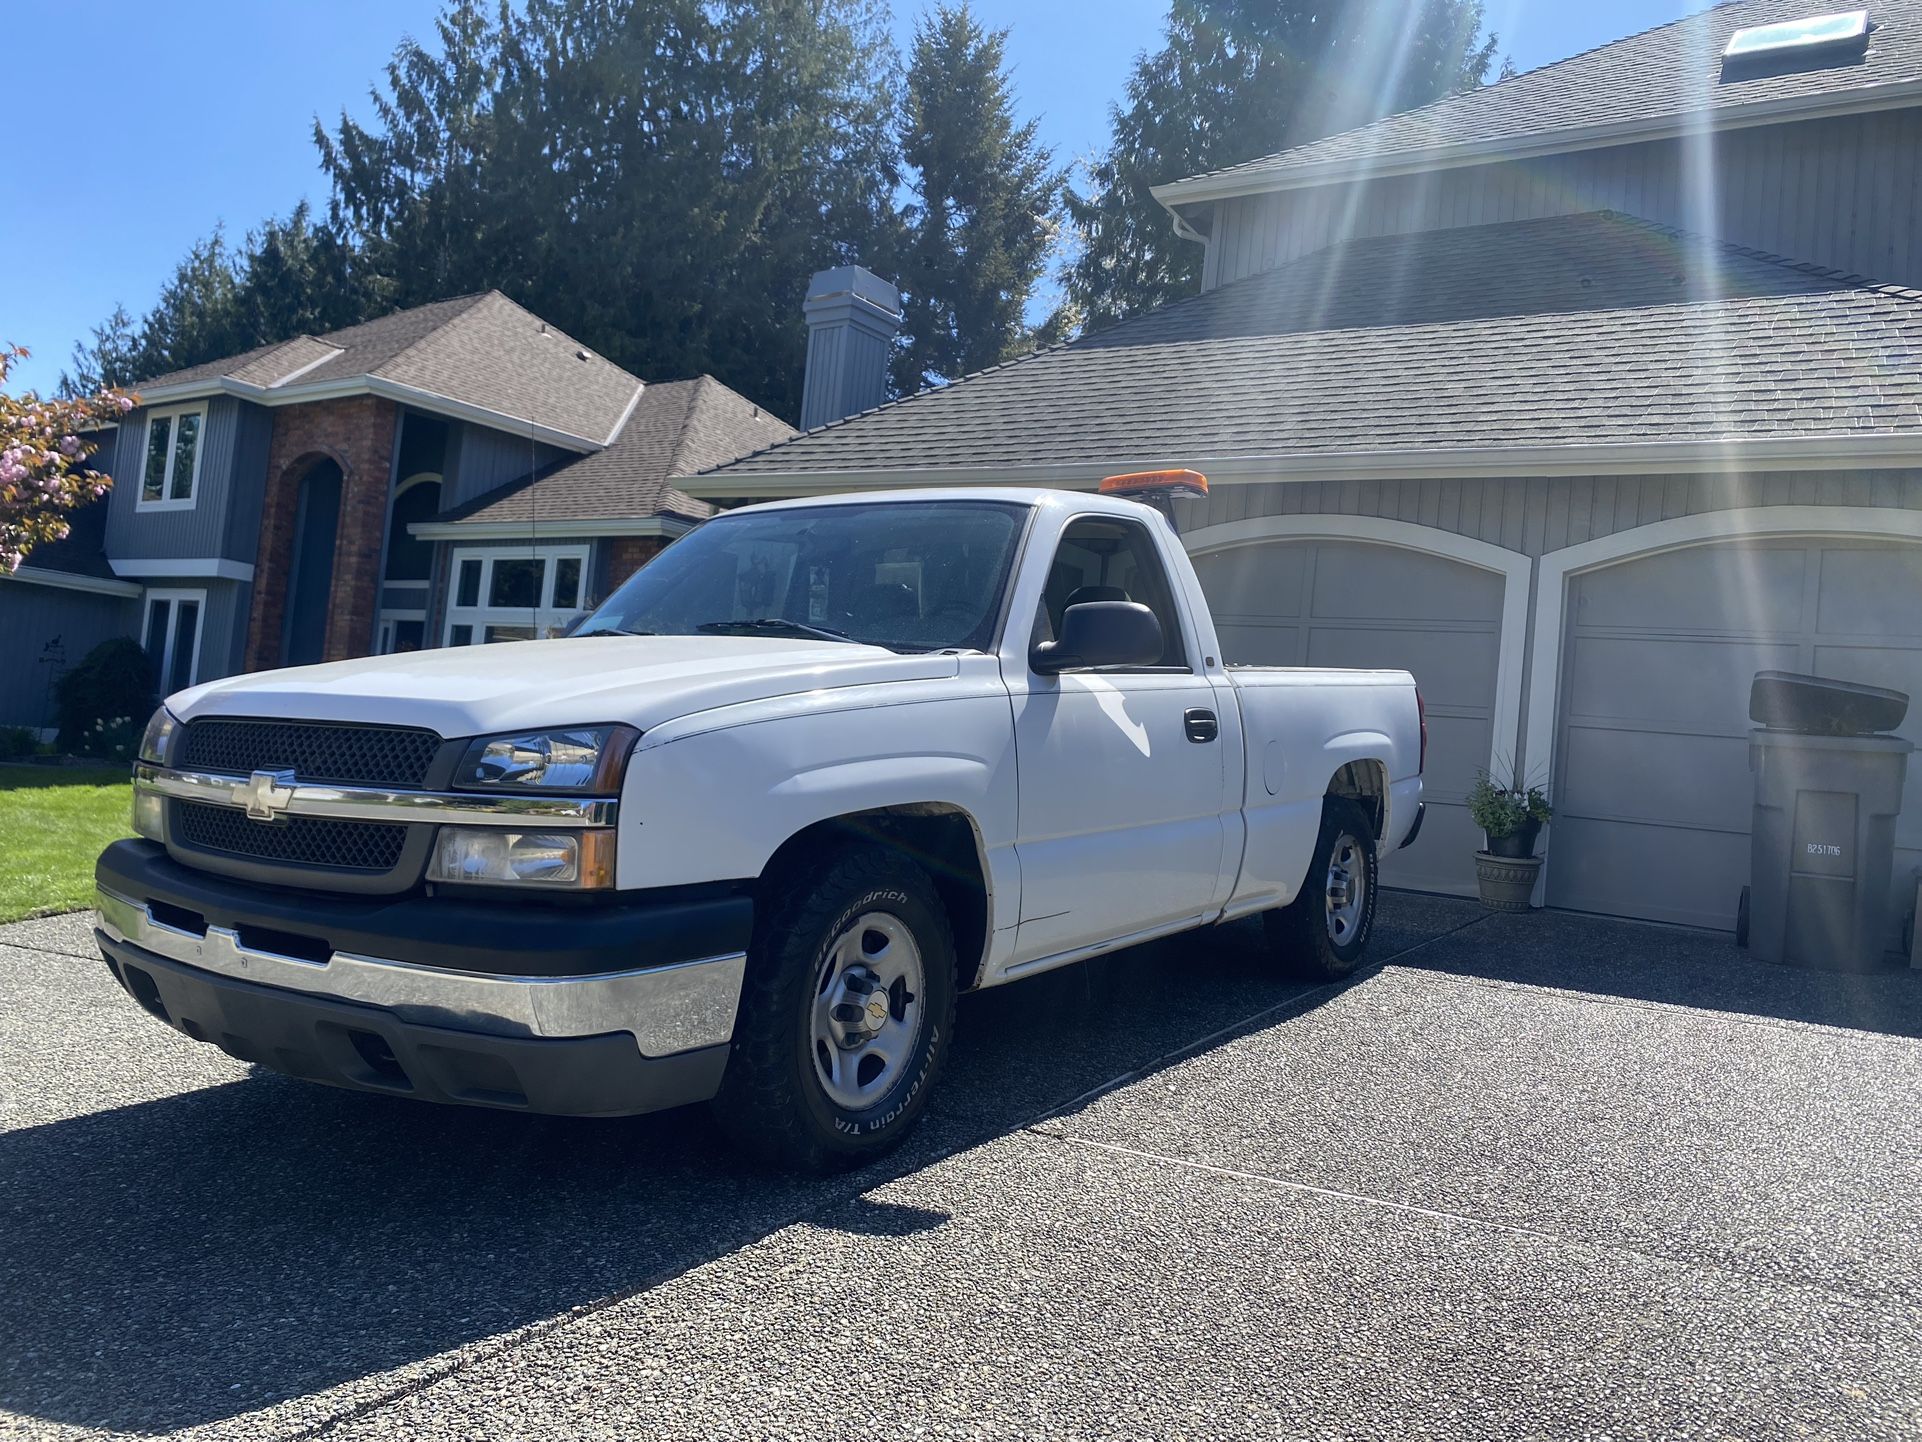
(357,434)
(624,556)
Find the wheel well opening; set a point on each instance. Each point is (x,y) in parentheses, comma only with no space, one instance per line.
(941,840)
(1366,784)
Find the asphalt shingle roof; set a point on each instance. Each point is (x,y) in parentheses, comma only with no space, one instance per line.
(480,350)
(678,427)
(1579,330)
(81,552)
(1672,71)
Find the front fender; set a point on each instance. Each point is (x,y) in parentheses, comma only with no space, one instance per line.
(717,804)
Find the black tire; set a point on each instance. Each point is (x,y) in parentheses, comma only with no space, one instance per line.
(1302,931)
(773,1100)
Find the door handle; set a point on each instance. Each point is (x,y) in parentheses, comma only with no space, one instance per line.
(1200,724)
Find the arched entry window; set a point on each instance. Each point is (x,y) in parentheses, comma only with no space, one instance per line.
(410,566)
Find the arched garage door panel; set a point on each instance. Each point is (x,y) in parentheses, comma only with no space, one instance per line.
(1356,603)
(1652,779)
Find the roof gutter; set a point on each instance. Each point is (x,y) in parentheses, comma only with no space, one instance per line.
(430,401)
(574,529)
(69,581)
(1894,95)
(1727,455)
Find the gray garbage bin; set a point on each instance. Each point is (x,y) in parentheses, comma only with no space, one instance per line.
(1828,788)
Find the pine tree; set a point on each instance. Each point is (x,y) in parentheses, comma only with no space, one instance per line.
(987,204)
(659,178)
(195,319)
(1234,80)
(108,360)
(298,278)
(287,278)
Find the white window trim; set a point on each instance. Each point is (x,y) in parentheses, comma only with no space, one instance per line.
(211,567)
(172,416)
(164,663)
(482,616)
(389,622)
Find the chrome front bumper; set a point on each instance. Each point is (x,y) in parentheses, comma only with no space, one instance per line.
(667,1009)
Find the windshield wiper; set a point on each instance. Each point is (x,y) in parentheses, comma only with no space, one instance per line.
(771,625)
(615,631)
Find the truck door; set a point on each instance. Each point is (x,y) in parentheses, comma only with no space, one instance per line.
(1122,782)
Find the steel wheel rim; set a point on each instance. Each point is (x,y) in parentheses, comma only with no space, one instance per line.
(1347,889)
(866,1013)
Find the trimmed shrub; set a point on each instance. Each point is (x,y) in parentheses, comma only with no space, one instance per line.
(17,743)
(104,702)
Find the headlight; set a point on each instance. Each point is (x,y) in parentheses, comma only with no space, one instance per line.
(578,758)
(495,856)
(158,738)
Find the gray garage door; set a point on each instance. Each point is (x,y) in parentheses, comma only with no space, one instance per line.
(1352,603)
(1652,774)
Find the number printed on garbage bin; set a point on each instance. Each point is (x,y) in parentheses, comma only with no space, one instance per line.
(1823,848)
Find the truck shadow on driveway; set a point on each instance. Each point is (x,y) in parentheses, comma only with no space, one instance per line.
(189,1259)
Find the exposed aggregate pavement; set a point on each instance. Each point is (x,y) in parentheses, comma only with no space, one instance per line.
(1537,1176)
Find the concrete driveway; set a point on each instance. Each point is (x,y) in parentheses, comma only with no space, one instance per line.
(1535,1176)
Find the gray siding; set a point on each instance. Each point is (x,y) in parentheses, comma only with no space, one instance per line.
(253,439)
(480,460)
(223,641)
(107,446)
(1536,515)
(32,617)
(207,529)
(1842,193)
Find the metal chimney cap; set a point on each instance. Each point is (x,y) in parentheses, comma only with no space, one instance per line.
(852,284)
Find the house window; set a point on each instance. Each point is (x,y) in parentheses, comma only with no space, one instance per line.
(408,576)
(171,467)
(172,637)
(517,593)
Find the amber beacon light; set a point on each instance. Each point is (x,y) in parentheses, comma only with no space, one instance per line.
(1156,483)
(1158,489)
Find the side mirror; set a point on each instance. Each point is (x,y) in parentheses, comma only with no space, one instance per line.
(1100,633)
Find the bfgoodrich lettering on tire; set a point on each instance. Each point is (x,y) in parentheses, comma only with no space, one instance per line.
(846,1012)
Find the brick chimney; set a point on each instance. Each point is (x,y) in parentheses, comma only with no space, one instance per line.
(852,317)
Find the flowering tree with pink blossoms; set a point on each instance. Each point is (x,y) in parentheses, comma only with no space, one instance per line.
(43,454)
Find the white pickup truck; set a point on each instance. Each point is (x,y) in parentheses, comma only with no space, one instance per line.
(747,832)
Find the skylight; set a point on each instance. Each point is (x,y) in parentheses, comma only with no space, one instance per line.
(1799,37)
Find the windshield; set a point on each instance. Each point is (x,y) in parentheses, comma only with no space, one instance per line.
(908,575)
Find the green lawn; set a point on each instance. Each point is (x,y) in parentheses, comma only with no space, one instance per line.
(54,820)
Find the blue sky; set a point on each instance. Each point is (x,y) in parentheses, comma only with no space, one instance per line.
(159,129)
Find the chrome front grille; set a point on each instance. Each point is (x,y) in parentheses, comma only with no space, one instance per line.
(294,841)
(308,831)
(349,754)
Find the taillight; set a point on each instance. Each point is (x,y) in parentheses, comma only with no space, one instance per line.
(1421,710)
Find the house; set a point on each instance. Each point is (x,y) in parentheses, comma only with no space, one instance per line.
(1583,396)
(456,473)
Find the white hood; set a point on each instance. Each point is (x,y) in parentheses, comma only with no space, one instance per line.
(579,681)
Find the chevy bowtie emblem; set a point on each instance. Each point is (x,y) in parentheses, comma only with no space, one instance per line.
(266,794)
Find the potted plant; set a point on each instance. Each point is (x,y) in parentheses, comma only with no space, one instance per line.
(1510,815)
